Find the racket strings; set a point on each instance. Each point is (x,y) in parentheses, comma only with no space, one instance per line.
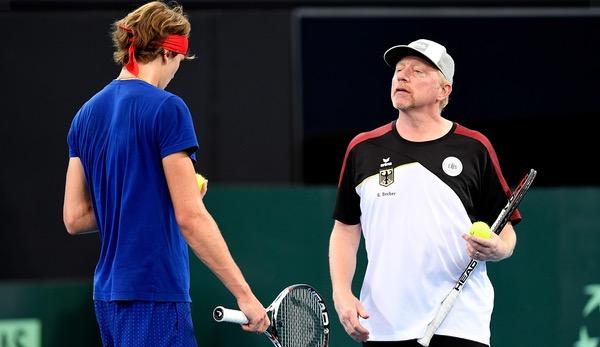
(299,322)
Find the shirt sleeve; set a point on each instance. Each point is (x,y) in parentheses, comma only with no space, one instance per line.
(495,191)
(175,128)
(347,206)
(72,137)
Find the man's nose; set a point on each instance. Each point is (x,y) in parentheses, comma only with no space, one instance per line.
(402,75)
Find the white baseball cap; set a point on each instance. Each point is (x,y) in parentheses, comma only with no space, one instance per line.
(429,50)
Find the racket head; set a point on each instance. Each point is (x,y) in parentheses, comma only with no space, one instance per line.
(299,317)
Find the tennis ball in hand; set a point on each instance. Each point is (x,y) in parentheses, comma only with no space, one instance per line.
(480,229)
(202,182)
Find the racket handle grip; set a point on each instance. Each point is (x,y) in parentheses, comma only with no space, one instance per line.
(222,314)
(441,314)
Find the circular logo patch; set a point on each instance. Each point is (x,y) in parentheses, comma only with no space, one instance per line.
(452,166)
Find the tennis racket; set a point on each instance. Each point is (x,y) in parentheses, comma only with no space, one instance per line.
(497,227)
(298,318)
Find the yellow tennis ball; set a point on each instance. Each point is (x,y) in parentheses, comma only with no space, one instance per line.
(480,229)
(201,182)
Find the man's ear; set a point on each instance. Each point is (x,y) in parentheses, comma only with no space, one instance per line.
(165,56)
(445,90)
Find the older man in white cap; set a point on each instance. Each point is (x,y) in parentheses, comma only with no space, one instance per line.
(413,187)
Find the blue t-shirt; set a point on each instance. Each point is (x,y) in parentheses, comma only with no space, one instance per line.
(121,135)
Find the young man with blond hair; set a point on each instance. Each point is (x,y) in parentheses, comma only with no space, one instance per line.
(412,188)
(131,177)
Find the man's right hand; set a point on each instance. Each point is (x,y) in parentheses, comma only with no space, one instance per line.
(349,308)
(258,321)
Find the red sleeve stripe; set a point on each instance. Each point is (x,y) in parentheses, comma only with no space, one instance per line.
(360,138)
(461,130)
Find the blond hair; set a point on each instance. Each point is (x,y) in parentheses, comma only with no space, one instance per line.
(148,25)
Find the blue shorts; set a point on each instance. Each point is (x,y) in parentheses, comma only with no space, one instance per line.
(145,323)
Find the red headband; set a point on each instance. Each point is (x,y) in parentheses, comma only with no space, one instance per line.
(173,43)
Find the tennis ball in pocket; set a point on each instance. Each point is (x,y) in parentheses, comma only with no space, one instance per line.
(480,229)
(202,182)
